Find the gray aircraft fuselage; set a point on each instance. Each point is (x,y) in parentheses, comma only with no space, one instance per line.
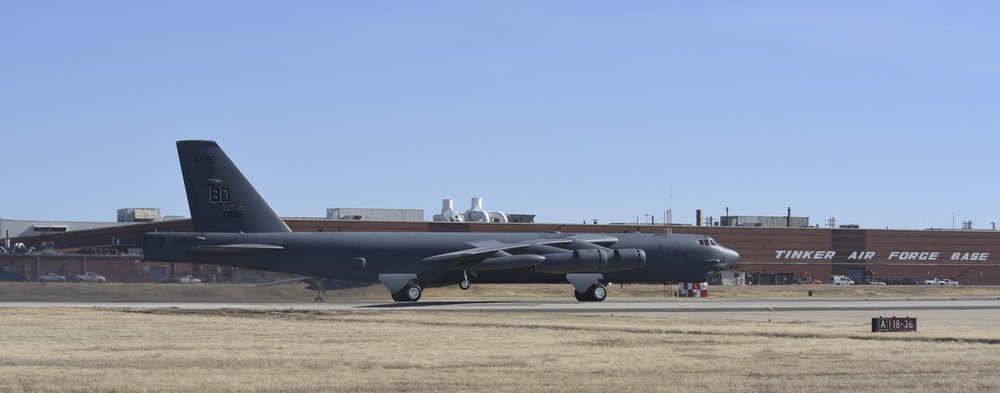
(339,255)
(234,226)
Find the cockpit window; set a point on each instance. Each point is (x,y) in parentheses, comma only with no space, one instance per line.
(707,242)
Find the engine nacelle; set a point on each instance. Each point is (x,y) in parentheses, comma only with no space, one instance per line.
(583,260)
(626,259)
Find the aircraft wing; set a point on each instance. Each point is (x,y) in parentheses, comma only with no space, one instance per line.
(488,247)
(319,283)
(480,248)
(563,251)
(594,238)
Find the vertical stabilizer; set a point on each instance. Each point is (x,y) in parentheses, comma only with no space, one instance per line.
(220,197)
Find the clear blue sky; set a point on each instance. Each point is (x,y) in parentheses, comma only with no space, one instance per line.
(884,114)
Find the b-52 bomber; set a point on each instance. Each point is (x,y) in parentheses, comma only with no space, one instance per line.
(234,226)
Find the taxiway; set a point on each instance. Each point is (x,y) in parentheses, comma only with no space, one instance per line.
(983,312)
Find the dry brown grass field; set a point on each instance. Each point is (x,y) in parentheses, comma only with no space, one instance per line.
(127,350)
(113,292)
(138,350)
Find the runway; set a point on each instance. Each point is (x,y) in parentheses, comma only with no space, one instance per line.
(982,312)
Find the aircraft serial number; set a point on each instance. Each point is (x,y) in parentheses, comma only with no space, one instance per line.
(233,210)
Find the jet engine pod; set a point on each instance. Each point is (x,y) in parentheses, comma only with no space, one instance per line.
(584,260)
(626,259)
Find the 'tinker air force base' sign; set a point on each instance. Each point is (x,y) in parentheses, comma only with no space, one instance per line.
(892,256)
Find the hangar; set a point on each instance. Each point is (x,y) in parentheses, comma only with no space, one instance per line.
(774,255)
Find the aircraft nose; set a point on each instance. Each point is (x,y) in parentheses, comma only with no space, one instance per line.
(730,258)
(722,259)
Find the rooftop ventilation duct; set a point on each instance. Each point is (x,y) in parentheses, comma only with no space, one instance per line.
(448,212)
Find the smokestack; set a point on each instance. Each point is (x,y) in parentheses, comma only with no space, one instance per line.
(788,220)
(697,217)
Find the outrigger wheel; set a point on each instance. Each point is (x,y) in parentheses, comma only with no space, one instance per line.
(465,284)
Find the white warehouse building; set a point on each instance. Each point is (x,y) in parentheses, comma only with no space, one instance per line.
(342,213)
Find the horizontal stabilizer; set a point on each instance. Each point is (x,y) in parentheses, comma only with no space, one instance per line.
(239,248)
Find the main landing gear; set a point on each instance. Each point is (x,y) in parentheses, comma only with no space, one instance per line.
(410,293)
(589,287)
(401,286)
(596,293)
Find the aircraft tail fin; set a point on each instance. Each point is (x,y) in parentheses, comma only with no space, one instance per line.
(220,197)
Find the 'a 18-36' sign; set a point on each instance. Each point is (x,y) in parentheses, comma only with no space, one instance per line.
(894,324)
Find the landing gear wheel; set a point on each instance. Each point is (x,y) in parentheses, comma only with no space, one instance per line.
(597,293)
(319,299)
(465,284)
(409,293)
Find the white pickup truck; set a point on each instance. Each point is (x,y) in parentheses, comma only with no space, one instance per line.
(189,279)
(52,277)
(945,281)
(90,277)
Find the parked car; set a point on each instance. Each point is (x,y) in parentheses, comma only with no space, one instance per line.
(841,280)
(909,281)
(189,279)
(52,277)
(935,281)
(876,282)
(90,277)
